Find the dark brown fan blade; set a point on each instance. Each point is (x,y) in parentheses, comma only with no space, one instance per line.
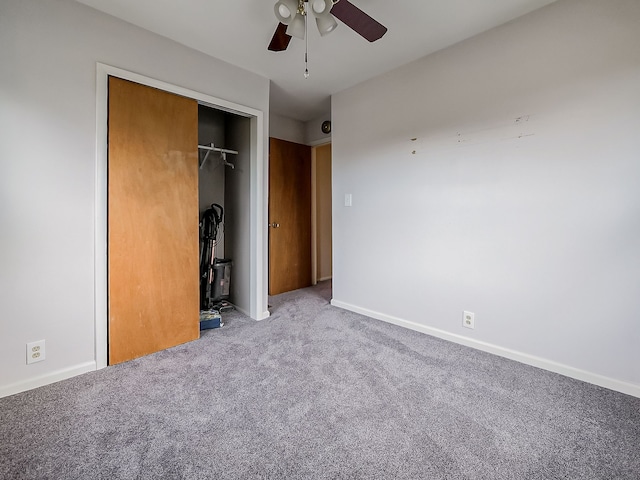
(280,40)
(357,20)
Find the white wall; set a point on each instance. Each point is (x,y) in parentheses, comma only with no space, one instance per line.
(305,133)
(48,168)
(521,202)
(286,128)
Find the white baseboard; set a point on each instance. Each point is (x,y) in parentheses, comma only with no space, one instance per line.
(47,379)
(578,374)
(262,316)
(266,314)
(325,278)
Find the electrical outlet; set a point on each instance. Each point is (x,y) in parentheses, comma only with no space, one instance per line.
(35,352)
(468,320)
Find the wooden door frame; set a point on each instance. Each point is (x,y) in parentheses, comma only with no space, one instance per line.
(258,202)
(314,210)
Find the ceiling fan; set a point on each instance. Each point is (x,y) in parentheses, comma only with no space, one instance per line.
(292,13)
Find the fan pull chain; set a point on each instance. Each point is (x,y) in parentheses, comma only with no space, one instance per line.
(306,44)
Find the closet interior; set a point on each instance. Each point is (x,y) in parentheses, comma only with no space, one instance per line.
(224,142)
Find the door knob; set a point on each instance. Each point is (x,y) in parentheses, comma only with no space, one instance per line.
(274,225)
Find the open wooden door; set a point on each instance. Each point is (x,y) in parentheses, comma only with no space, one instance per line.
(323,230)
(152,220)
(289,216)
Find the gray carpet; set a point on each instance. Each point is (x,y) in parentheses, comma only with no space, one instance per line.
(317,392)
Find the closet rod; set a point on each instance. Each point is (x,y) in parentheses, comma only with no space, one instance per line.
(216,149)
(223,154)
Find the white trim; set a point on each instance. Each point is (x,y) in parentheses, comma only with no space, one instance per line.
(259,213)
(566,370)
(262,316)
(258,201)
(218,103)
(314,218)
(46,379)
(100,241)
(325,278)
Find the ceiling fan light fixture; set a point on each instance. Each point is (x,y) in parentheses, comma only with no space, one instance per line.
(297,27)
(285,10)
(321,7)
(326,24)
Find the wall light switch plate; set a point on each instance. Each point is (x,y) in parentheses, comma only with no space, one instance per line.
(348,200)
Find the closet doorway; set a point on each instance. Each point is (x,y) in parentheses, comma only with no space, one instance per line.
(224,180)
(247,199)
(289,216)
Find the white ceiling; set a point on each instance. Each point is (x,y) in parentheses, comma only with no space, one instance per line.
(238,32)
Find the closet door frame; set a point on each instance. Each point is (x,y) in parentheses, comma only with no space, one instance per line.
(258,201)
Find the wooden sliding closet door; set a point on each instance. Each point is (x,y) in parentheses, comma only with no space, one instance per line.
(153,220)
